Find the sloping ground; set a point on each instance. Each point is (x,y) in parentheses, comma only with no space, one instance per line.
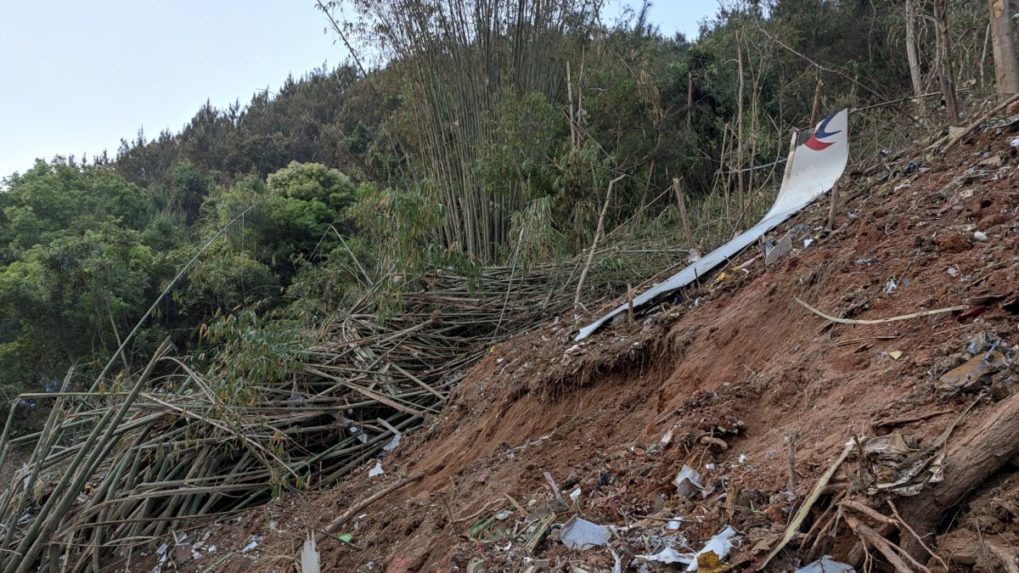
(716,382)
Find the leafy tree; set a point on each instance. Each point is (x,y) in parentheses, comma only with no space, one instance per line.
(76,271)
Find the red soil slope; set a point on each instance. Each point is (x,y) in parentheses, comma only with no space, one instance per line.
(739,362)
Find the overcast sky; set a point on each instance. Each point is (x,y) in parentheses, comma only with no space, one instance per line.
(76,77)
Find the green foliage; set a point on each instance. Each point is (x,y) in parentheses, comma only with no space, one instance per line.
(247,349)
(460,152)
(76,268)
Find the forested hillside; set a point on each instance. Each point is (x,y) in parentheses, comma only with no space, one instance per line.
(270,297)
(480,136)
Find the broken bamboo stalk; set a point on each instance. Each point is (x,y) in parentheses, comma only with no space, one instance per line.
(364,503)
(815,111)
(910,316)
(808,503)
(594,243)
(979,121)
(683,217)
(882,545)
(833,206)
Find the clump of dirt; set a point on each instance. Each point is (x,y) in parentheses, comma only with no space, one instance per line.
(739,382)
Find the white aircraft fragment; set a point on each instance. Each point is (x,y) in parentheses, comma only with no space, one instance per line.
(813,168)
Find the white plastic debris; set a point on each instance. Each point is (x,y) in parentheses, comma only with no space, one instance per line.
(310,560)
(354,430)
(376,470)
(980,236)
(742,459)
(666,439)
(952,272)
(826,565)
(891,286)
(252,544)
(1015,142)
(575,494)
(394,442)
(720,544)
(668,556)
(688,482)
(162,552)
(579,533)
(807,242)
(674,523)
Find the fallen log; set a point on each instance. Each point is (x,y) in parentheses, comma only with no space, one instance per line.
(971,459)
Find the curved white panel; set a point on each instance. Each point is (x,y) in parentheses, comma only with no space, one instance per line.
(813,169)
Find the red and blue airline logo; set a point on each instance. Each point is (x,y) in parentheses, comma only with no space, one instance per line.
(816,140)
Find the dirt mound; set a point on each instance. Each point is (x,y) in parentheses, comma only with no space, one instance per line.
(544,428)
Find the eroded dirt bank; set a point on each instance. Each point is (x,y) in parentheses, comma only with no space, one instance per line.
(718,382)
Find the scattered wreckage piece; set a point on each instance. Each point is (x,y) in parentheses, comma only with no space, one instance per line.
(812,170)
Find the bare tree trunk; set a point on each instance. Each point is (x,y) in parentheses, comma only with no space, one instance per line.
(945,71)
(689,102)
(815,110)
(684,218)
(1006,67)
(974,456)
(911,55)
(569,95)
(739,127)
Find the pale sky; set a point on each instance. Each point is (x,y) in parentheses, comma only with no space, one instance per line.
(76,77)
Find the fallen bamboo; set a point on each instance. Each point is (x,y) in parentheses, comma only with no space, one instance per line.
(910,316)
(979,121)
(884,546)
(185,450)
(808,503)
(361,505)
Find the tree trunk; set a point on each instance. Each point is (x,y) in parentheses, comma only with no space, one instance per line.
(911,55)
(972,458)
(945,71)
(1006,67)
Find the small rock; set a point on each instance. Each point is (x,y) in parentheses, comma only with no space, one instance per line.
(953,241)
(992,220)
(993,162)
(1002,387)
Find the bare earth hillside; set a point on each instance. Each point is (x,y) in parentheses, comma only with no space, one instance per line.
(544,429)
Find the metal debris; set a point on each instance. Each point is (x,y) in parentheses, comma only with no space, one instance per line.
(579,533)
(826,565)
(668,556)
(720,545)
(252,544)
(807,178)
(783,247)
(376,470)
(688,482)
(973,373)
